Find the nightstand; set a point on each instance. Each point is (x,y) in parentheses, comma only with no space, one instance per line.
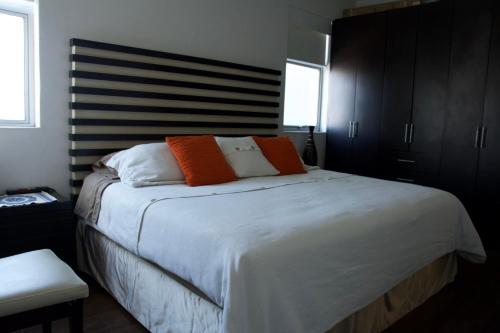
(42,226)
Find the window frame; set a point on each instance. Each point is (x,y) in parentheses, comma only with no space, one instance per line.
(25,11)
(292,128)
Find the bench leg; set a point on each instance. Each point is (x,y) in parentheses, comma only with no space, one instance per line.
(47,327)
(76,319)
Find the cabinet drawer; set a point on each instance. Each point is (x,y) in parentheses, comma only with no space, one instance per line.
(18,213)
(411,161)
(40,239)
(412,177)
(26,221)
(66,254)
(63,244)
(13,231)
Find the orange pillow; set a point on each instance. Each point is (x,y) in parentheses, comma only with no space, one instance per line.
(201,160)
(281,152)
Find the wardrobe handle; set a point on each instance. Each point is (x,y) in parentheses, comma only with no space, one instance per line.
(476,140)
(406,180)
(406,133)
(404,160)
(482,142)
(355,129)
(412,127)
(350,129)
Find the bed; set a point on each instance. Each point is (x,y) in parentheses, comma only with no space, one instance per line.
(315,252)
(299,253)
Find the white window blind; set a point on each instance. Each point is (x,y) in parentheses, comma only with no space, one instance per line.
(307,46)
(308,37)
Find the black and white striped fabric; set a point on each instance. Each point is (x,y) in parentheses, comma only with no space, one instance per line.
(122,96)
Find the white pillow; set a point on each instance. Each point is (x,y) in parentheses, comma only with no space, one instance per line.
(245,157)
(146,164)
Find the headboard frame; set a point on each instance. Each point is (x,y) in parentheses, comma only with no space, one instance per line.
(122,96)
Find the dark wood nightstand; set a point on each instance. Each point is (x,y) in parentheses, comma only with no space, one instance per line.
(42,226)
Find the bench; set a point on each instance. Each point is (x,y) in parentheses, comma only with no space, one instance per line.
(37,288)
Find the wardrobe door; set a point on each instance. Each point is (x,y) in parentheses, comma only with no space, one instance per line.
(368,102)
(430,87)
(398,78)
(469,58)
(342,88)
(488,176)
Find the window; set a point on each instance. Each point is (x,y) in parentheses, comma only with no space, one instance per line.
(16,64)
(303,95)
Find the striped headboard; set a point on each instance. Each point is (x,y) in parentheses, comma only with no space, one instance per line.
(122,96)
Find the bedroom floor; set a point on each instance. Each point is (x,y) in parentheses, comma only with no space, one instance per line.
(470,304)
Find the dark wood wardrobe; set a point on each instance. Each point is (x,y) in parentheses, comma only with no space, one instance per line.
(415,97)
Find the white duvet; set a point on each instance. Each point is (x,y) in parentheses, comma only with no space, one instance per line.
(293,253)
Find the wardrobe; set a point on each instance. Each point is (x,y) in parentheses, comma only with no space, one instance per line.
(414,96)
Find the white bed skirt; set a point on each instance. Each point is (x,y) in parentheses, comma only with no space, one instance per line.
(163,303)
(155,298)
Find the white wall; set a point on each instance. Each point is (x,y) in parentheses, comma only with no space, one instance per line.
(331,9)
(249,32)
(361,3)
(245,31)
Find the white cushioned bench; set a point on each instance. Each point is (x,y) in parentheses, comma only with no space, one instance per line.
(36,288)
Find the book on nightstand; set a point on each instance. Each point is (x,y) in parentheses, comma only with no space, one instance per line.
(26,199)
(27,196)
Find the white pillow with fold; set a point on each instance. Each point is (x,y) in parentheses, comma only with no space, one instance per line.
(146,165)
(245,157)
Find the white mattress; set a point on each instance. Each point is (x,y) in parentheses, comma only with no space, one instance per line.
(274,252)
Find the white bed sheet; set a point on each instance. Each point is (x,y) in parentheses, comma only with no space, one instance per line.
(274,252)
